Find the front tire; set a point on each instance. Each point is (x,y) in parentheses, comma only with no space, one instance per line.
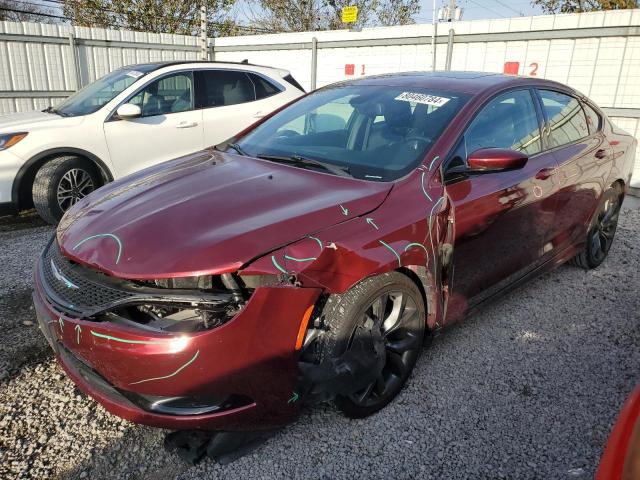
(395,305)
(61,183)
(602,231)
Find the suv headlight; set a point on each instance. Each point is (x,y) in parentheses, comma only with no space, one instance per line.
(10,139)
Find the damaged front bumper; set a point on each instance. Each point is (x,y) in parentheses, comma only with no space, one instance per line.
(241,375)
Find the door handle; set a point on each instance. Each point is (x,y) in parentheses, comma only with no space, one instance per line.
(187,125)
(258,115)
(601,153)
(545,173)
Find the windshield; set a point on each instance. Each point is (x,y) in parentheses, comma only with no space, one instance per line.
(95,95)
(377,133)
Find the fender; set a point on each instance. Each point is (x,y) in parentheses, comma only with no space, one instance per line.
(337,257)
(24,170)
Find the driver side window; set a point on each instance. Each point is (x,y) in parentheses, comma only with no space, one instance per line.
(509,121)
(170,94)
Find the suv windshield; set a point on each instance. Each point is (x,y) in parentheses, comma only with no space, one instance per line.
(95,95)
(377,133)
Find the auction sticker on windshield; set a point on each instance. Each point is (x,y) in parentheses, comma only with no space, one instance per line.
(422,98)
(134,73)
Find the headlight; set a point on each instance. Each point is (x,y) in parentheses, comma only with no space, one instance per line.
(187,304)
(10,139)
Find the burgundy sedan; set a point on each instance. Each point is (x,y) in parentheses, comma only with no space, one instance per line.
(307,258)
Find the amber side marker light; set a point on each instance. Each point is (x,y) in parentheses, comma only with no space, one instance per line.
(10,140)
(303,327)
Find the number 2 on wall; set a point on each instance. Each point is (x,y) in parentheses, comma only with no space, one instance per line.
(534,69)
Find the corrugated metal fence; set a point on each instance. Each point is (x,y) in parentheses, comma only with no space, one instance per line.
(598,53)
(42,64)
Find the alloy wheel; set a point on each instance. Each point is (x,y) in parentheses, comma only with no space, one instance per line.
(73,186)
(604,230)
(395,314)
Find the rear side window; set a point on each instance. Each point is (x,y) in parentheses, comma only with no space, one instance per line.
(593,119)
(220,88)
(508,121)
(567,121)
(263,88)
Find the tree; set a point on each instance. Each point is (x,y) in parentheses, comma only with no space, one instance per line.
(289,15)
(574,6)
(397,12)
(25,12)
(366,12)
(308,15)
(171,16)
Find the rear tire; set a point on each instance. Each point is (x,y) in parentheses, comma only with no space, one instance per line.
(395,304)
(601,232)
(61,183)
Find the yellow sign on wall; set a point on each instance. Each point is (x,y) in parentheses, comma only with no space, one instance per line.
(349,14)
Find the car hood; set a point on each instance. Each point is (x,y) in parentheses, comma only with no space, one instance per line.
(207,213)
(20,121)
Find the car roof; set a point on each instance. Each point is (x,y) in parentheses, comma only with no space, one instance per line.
(457,81)
(153,66)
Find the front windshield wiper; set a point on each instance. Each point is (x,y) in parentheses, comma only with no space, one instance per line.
(299,161)
(51,109)
(237,148)
(223,147)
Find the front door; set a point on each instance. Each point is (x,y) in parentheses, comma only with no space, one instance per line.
(501,218)
(168,128)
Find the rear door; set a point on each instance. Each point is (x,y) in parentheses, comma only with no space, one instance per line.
(231,100)
(574,134)
(501,218)
(169,127)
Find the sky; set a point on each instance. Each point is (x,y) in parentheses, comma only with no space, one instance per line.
(479,9)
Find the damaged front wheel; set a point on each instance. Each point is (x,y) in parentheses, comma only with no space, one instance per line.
(388,308)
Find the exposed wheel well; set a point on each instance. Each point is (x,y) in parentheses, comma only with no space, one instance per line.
(23,183)
(416,279)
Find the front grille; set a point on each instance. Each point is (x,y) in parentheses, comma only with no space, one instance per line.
(71,286)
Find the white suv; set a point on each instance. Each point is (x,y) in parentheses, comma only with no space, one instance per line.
(134,117)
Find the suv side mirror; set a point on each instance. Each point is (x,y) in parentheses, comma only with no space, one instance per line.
(496,160)
(128,111)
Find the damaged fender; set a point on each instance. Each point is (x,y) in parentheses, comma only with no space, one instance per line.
(336,258)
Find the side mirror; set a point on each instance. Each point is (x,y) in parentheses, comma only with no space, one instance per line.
(128,111)
(496,160)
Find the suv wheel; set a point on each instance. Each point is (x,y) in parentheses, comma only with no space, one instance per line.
(61,183)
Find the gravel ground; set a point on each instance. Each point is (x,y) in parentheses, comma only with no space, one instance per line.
(527,388)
